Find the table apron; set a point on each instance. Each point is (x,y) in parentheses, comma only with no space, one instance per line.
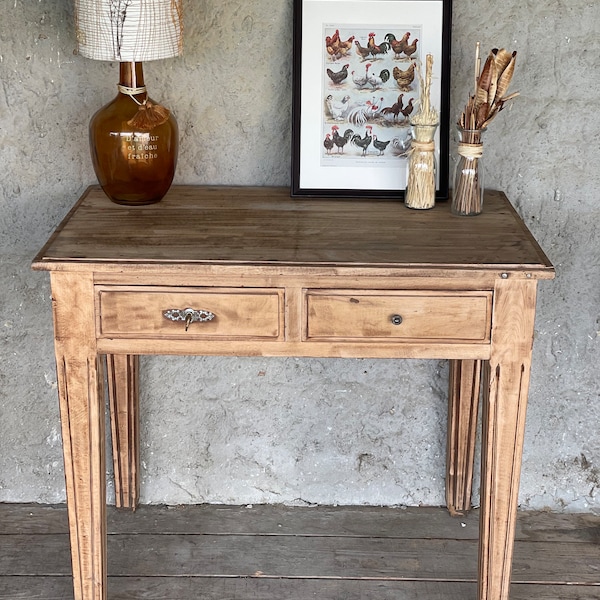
(404,349)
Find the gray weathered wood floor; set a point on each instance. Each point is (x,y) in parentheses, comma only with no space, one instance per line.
(279,553)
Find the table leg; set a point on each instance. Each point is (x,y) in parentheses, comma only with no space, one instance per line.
(81,395)
(506,387)
(463,405)
(123,394)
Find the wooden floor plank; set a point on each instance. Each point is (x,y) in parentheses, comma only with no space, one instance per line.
(297,556)
(33,518)
(254,520)
(276,553)
(185,588)
(411,522)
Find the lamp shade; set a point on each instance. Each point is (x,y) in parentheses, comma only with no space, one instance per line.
(129,30)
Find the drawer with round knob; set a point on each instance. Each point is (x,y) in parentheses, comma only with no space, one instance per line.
(178,312)
(398,315)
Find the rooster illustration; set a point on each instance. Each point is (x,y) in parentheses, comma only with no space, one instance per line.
(395,109)
(340,140)
(365,141)
(360,114)
(397,45)
(377,49)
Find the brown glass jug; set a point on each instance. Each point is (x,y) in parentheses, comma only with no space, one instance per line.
(134,143)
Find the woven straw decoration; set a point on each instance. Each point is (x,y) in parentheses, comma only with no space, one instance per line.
(129,30)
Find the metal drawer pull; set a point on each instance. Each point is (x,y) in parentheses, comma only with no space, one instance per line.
(189,315)
(396,319)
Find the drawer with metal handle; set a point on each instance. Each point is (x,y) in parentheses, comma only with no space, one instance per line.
(177,312)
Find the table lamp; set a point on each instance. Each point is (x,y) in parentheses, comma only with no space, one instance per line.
(134,141)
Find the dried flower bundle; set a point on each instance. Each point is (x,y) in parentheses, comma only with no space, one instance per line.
(490,88)
(488,99)
(420,187)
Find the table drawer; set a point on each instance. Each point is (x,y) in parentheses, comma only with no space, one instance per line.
(398,315)
(230,313)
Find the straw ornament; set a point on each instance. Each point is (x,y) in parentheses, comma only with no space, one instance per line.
(421,184)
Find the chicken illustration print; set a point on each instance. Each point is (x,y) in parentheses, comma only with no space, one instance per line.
(338,77)
(404,78)
(380,145)
(369,80)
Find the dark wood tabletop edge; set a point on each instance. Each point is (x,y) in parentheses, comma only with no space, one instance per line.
(535,271)
(542,255)
(40,258)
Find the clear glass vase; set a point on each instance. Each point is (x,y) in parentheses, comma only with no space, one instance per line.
(134,143)
(422,168)
(467,195)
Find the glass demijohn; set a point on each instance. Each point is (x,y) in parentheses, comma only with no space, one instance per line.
(134,143)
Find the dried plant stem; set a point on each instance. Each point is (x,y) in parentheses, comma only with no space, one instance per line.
(426,115)
(468,185)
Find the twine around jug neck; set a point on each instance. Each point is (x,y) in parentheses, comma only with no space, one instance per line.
(470,150)
(133,91)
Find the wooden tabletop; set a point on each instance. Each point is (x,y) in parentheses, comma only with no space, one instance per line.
(265,226)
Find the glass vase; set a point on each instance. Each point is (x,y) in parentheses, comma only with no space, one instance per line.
(422,168)
(134,143)
(467,196)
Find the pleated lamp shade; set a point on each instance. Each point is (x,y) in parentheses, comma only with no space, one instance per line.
(129,30)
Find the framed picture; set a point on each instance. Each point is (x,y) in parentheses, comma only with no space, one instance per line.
(355,87)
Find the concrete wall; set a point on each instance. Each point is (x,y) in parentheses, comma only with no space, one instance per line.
(287,430)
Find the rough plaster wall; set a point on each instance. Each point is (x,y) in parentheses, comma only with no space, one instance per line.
(288,430)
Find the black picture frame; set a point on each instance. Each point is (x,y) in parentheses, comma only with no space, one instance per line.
(344,36)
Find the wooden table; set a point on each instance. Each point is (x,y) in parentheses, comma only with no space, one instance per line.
(249,271)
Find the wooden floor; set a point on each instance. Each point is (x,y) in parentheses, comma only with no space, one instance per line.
(278,553)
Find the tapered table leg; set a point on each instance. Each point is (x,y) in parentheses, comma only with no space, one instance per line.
(506,387)
(81,396)
(463,405)
(123,393)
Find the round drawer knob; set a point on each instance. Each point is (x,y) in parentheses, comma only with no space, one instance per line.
(396,319)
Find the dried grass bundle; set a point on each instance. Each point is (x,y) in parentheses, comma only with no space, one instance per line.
(426,115)
(420,186)
(488,99)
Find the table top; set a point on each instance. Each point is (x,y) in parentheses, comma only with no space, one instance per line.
(197,225)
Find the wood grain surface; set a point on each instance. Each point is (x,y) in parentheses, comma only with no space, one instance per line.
(264,225)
